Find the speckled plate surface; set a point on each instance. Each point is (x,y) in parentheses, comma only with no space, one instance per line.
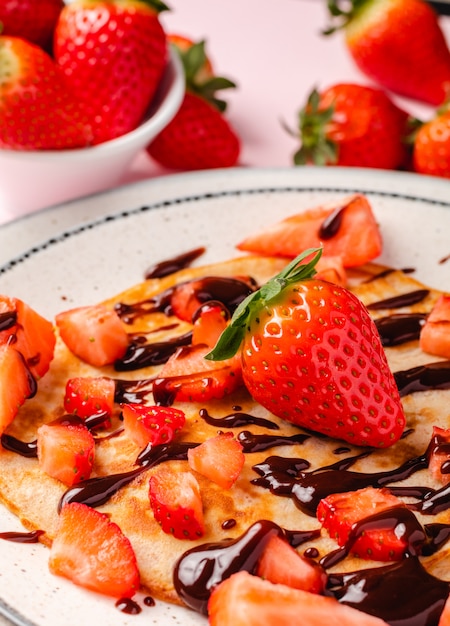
(89,249)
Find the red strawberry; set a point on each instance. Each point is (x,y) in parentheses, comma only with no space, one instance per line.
(431,147)
(346,229)
(151,424)
(351,125)
(187,297)
(66,449)
(33,20)
(397,43)
(87,396)
(92,552)
(439,455)
(434,335)
(209,323)
(93,333)
(199,136)
(340,511)
(312,355)
(246,600)
(113,54)
(219,458)
(280,563)
(16,384)
(176,503)
(189,377)
(37,110)
(32,335)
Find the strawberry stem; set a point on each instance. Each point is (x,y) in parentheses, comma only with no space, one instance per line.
(231,338)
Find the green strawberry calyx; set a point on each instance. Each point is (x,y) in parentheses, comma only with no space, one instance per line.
(193,60)
(342,12)
(296,271)
(316,147)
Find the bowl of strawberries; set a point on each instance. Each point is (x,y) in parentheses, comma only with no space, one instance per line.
(84,86)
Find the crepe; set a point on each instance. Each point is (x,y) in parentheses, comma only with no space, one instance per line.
(33,496)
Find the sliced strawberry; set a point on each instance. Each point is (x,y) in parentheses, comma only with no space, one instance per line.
(151,424)
(209,323)
(189,296)
(86,396)
(439,455)
(346,229)
(281,563)
(93,333)
(219,458)
(246,600)
(92,552)
(32,335)
(66,449)
(176,503)
(331,268)
(444,620)
(189,377)
(16,384)
(435,334)
(340,511)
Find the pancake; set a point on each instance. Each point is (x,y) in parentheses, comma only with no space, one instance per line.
(34,496)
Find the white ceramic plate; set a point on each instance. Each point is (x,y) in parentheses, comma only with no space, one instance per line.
(89,249)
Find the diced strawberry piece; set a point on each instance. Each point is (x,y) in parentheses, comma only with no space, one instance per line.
(92,552)
(209,324)
(66,449)
(93,333)
(439,455)
(151,424)
(281,563)
(444,620)
(435,333)
(176,503)
(331,268)
(33,336)
(16,384)
(189,377)
(338,512)
(189,296)
(347,229)
(219,458)
(86,396)
(247,600)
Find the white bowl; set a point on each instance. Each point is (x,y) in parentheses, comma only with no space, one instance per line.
(31,180)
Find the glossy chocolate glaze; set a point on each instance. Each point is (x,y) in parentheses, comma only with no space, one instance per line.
(423,378)
(175,264)
(396,302)
(400,328)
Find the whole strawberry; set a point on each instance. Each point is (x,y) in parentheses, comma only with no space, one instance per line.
(397,43)
(113,53)
(199,136)
(37,110)
(431,151)
(311,354)
(34,20)
(351,125)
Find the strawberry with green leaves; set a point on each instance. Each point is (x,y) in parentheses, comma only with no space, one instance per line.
(311,354)
(351,125)
(199,136)
(37,109)
(114,54)
(397,43)
(33,20)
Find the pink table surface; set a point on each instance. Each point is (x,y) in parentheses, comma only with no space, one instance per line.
(275,52)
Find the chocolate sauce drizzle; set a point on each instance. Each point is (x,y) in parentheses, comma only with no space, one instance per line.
(423,378)
(400,328)
(396,302)
(140,355)
(234,420)
(177,263)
